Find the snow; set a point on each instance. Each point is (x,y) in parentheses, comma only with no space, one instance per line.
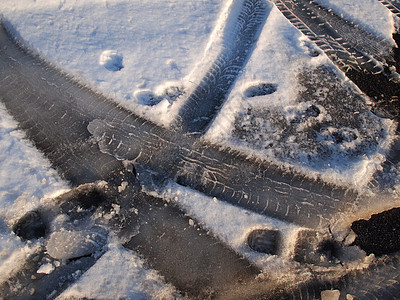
(160,42)
(120,274)
(369,14)
(214,215)
(25,176)
(46,269)
(148,55)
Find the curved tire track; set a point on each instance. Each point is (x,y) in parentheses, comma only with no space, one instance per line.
(204,102)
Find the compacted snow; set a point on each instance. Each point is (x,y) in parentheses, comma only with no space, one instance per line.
(148,55)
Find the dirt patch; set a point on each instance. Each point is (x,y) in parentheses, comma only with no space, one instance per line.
(380,234)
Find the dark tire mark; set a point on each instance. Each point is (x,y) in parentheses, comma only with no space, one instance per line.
(261,186)
(203,104)
(45,102)
(229,175)
(367,60)
(346,44)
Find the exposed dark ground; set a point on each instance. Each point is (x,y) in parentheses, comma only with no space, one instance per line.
(384,92)
(381,233)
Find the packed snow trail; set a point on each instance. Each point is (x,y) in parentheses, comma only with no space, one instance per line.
(204,102)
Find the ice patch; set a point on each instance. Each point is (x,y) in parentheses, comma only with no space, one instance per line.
(66,244)
(46,269)
(111,60)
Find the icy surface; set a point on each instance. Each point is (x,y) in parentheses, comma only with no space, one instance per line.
(69,244)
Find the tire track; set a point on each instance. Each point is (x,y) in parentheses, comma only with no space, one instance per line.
(392,5)
(346,44)
(255,185)
(204,102)
(367,60)
(45,103)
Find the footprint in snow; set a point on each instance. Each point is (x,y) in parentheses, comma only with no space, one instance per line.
(111,60)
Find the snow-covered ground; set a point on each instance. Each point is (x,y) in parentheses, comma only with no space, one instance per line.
(144,54)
